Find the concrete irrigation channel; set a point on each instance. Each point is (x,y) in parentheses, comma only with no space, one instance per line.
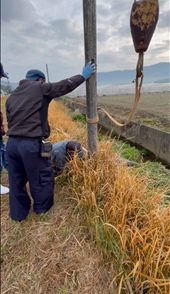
(156,142)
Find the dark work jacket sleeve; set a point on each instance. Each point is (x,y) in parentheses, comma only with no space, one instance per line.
(53,90)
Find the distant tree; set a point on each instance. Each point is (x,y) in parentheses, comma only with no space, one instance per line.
(3,87)
(7,89)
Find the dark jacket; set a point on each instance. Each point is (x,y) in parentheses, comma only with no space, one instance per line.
(27,106)
(2,126)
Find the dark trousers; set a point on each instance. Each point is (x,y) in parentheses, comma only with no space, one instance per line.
(25,164)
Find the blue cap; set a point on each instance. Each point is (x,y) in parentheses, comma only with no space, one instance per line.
(2,71)
(34,75)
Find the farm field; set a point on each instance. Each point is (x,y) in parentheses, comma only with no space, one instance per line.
(107,232)
(152,110)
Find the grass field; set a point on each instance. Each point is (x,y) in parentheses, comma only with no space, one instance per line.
(107,232)
(153,109)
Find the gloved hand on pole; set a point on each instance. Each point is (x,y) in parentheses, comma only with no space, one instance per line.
(88,70)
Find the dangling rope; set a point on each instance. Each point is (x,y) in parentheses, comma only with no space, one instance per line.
(137,98)
(143,22)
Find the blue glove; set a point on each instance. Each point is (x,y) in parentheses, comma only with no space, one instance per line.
(88,70)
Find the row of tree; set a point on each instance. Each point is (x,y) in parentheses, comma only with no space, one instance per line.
(7,89)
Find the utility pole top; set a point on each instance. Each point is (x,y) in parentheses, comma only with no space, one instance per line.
(47,73)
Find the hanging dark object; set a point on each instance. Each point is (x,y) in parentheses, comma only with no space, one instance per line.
(144,17)
(143,20)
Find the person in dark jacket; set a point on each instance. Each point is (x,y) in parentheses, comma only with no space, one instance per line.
(62,152)
(27,111)
(4,163)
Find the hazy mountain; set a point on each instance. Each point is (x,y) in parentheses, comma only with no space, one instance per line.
(158,73)
(162,81)
(13,85)
(152,73)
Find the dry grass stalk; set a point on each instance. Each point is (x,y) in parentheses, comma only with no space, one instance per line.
(128,215)
(131,222)
(58,119)
(123,209)
(51,253)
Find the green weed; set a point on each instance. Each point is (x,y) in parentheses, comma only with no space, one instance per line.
(100,137)
(126,151)
(42,216)
(156,172)
(70,111)
(62,291)
(3,248)
(65,232)
(79,117)
(22,259)
(55,198)
(143,152)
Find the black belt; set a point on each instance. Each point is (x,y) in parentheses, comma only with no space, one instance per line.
(32,139)
(38,139)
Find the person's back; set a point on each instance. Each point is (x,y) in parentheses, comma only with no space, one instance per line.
(27,106)
(64,151)
(59,154)
(23,110)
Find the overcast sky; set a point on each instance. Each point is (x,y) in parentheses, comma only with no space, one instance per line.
(39,32)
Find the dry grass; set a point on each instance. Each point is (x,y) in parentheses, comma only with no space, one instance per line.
(130,220)
(101,203)
(52,253)
(62,127)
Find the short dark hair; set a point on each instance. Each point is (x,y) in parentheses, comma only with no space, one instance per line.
(73,145)
(40,78)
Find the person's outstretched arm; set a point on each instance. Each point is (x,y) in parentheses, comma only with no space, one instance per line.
(53,90)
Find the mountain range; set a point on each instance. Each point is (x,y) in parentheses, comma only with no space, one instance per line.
(157,73)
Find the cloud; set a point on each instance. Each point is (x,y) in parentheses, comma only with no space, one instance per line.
(164,20)
(40,32)
(18,10)
(103,11)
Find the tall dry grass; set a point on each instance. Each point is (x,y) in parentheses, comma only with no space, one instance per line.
(62,127)
(127,217)
(51,253)
(130,219)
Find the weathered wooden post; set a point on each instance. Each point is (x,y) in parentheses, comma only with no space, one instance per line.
(47,73)
(89,15)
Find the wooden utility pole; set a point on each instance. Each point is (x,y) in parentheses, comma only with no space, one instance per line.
(89,15)
(47,73)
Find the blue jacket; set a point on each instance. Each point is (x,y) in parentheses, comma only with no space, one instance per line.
(59,154)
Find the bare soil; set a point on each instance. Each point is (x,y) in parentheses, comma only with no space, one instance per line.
(153,109)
